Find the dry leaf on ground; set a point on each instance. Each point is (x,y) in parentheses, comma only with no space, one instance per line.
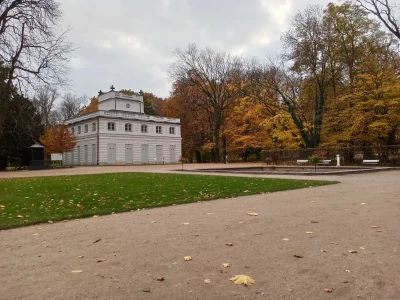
(95,216)
(353,251)
(229,244)
(77,271)
(185,223)
(298,256)
(253,214)
(285,239)
(160,279)
(374,226)
(207,281)
(187,258)
(310,232)
(225,265)
(101,260)
(81,256)
(242,279)
(328,290)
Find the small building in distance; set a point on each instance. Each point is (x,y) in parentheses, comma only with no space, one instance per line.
(120,133)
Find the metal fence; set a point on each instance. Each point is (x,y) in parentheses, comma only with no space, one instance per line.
(387,155)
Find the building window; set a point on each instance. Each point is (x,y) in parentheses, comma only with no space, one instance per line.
(158,129)
(86,128)
(79,129)
(111,126)
(144,128)
(73,130)
(94,126)
(172,130)
(128,127)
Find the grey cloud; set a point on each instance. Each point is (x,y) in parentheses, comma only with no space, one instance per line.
(130,43)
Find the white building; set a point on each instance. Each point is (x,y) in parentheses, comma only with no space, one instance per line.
(119,133)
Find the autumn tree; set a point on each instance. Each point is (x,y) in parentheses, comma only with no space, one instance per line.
(92,107)
(58,139)
(217,76)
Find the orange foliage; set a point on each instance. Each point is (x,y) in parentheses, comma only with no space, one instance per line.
(58,139)
(92,107)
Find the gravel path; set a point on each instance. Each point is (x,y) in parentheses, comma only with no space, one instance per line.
(138,247)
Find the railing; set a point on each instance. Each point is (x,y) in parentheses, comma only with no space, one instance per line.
(388,155)
(124,115)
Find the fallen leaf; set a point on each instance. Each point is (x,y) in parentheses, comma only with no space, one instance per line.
(310,232)
(348,271)
(328,290)
(241,222)
(146,290)
(77,271)
(323,250)
(95,216)
(19,216)
(187,258)
(160,279)
(225,265)
(374,226)
(101,260)
(242,279)
(298,256)
(96,241)
(81,256)
(229,244)
(286,239)
(253,214)
(185,223)
(207,281)
(353,251)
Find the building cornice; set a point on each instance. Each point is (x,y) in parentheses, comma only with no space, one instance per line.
(128,116)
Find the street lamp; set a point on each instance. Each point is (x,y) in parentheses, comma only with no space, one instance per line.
(275,140)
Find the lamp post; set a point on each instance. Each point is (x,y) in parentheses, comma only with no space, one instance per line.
(275,140)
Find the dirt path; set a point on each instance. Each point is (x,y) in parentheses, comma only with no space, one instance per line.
(138,247)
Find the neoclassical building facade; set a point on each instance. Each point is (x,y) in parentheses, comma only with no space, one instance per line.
(120,133)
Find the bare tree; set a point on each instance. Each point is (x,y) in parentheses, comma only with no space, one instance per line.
(384,11)
(71,105)
(216,75)
(30,47)
(44,102)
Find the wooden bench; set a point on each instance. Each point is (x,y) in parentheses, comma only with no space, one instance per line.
(302,161)
(325,162)
(370,161)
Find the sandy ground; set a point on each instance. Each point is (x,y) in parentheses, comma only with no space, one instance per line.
(138,247)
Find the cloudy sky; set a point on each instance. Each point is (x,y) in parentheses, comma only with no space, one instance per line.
(130,43)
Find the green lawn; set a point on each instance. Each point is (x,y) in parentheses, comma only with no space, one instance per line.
(25,201)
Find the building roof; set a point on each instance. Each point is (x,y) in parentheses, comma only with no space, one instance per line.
(36,146)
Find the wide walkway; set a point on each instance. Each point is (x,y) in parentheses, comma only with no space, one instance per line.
(65,260)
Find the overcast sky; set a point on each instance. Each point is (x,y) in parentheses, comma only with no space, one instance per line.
(130,43)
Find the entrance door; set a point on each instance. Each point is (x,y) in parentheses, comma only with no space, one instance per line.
(145,154)
(79,155)
(128,154)
(111,154)
(159,153)
(86,154)
(94,158)
(172,155)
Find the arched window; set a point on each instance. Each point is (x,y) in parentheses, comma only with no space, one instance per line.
(94,126)
(86,128)
(111,126)
(128,127)
(79,129)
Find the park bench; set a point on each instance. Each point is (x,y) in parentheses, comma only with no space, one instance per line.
(370,161)
(325,162)
(302,161)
